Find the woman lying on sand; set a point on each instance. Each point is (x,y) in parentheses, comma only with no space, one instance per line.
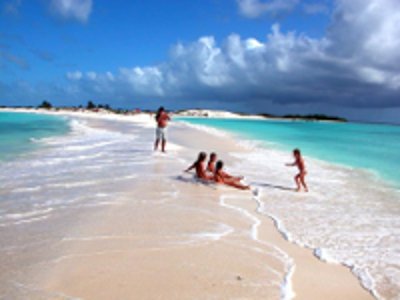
(222,177)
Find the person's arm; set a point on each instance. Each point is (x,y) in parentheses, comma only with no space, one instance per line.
(291,164)
(191,167)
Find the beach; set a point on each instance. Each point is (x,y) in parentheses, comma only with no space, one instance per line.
(101,216)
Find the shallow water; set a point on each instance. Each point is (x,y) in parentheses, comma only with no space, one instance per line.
(55,186)
(19,131)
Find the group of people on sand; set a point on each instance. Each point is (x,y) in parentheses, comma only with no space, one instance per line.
(214,172)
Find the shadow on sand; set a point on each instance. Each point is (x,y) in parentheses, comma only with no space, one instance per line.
(194,180)
(273,186)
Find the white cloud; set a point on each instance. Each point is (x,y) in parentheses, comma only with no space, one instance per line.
(110,76)
(145,81)
(74,75)
(256,8)
(91,75)
(72,9)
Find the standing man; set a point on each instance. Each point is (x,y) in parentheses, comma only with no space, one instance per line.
(162,119)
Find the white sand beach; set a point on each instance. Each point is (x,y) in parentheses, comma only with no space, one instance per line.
(129,224)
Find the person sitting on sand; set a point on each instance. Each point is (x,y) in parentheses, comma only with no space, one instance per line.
(198,165)
(224,178)
(300,177)
(211,162)
(162,119)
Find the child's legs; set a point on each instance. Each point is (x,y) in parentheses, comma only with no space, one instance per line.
(297,180)
(302,180)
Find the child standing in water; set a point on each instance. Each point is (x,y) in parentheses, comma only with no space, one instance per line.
(299,163)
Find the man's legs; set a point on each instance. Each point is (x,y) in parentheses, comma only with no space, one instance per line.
(163,143)
(156,144)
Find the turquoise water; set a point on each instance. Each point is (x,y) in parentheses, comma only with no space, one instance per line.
(374,147)
(18,132)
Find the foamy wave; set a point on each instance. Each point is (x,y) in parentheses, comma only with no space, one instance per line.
(207,129)
(287,292)
(324,255)
(221,231)
(337,218)
(17,216)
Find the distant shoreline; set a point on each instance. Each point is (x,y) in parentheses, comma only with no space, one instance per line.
(219,113)
(197,113)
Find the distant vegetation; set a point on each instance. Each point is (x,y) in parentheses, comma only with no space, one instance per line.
(315,117)
(45,104)
(90,105)
(310,117)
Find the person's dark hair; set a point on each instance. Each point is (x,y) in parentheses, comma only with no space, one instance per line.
(159,111)
(219,165)
(296,151)
(202,156)
(213,155)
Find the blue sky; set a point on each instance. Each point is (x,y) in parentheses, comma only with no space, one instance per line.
(278,56)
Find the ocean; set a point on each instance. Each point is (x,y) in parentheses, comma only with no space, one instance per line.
(351,215)
(20,132)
